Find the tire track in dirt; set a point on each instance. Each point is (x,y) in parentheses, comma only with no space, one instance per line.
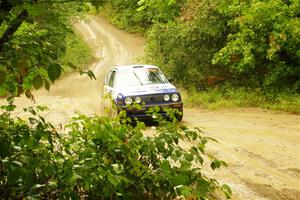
(262,149)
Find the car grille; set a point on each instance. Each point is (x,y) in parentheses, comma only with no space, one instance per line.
(150,99)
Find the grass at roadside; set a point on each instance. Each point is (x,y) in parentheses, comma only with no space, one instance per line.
(232,98)
(77,52)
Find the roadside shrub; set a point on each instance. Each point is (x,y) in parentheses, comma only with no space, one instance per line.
(31,166)
(184,48)
(220,98)
(139,15)
(262,48)
(250,44)
(101,158)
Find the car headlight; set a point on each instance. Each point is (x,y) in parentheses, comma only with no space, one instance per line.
(175,97)
(138,99)
(128,100)
(120,96)
(167,97)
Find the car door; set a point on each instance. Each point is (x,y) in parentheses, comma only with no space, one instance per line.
(107,91)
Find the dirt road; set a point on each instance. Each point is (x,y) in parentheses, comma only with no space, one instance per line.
(262,148)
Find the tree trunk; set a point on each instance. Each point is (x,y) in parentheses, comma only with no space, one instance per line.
(14,26)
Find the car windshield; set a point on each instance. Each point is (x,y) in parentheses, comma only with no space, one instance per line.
(140,76)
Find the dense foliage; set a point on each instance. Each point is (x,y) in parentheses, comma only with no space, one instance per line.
(262,48)
(139,15)
(33,40)
(101,158)
(185,49)
(251,44)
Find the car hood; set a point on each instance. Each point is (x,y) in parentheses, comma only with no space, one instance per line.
(145,90)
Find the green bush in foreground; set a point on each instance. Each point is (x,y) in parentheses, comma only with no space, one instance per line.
(101,158)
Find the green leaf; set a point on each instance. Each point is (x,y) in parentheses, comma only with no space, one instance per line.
(156,109)
(189,157)
(47,85)
(31,110)
(17,163)
(227,191)
(13,176)
(73,195)
(37,186)
(113,179)
(180,179)
(72,65)
(54,71)
(91,74)
(4,147)
(28,94)
(42,108)
(204,189)
(165,166)
(37,82)
(74,179)
(3,91)
(2,77)
(184,190)
(117,168)
(31,143)
(27,83)
(215,164)
(10,107)
(34,10)
(52,184)
(160,145)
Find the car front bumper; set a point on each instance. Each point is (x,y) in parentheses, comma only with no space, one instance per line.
(143,112)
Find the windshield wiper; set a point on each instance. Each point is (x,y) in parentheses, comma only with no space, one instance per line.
(158,78)
(138,78)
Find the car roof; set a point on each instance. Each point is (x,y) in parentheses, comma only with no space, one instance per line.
(130,67)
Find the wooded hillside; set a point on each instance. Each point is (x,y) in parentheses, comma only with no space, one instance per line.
(204,43)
